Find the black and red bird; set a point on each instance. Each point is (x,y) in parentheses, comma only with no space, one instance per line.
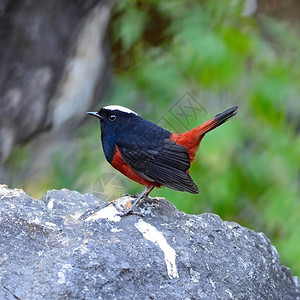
(149,154)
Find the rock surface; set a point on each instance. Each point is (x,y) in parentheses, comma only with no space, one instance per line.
(70,246)
(46,67)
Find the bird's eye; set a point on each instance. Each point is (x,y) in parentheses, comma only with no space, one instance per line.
(112,117)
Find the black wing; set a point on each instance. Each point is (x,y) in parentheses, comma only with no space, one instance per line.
(164,162)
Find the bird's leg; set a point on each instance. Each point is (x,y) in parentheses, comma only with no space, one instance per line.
(149,190)
(144,194)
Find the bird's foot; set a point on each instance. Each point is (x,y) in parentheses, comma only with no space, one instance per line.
(129,195)
(125,211)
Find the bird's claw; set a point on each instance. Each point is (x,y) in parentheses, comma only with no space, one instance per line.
(129,195)
(125,212)
(131,212)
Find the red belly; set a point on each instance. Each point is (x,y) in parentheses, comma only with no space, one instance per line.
(119,164)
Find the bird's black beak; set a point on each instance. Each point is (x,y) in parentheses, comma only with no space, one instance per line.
(95,114)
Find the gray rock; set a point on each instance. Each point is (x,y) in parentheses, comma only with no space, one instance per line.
(72,246)
(43,57)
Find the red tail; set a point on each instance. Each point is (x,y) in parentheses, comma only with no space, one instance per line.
(191,139)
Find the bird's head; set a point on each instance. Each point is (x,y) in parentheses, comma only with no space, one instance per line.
(114,118)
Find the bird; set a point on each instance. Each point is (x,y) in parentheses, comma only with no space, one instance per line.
(149,154)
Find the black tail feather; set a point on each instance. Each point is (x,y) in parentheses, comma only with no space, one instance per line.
(223,117)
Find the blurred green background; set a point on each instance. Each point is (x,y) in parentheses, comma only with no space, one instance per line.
(247,170)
